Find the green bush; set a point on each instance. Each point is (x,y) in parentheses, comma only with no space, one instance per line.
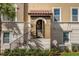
(31,52)
(6,52)
(55,52)
(66,49)
(74,48)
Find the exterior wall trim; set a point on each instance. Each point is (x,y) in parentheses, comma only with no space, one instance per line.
(16,12)
(12,22)
(41,19)
(11,37)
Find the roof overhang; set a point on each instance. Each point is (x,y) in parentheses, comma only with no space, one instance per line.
(40,12)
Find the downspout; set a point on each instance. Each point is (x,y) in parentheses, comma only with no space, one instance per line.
(0,33)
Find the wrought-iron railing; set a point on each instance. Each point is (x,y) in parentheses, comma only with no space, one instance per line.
(18,42)
(25,42)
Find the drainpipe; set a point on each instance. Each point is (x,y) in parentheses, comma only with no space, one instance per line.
(70,45)
(29,27)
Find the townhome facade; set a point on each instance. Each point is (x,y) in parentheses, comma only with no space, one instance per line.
(47,22)
(11,30)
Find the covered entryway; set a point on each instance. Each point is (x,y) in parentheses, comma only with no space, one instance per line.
(40,29)
(41,23)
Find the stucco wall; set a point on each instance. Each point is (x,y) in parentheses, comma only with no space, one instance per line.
(15,29)
(20,12)
(47,25)
(72,28)
(65,17)
(65,8)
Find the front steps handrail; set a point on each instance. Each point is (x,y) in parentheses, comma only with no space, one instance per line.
(18,41)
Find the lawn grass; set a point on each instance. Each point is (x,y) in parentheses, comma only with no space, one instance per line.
(70,54)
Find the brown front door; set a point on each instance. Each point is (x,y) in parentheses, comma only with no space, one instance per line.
(40,29)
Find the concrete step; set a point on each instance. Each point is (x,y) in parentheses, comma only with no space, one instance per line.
(44,42)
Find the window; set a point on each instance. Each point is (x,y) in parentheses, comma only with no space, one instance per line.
(6,36)
(65,36)
(56,14)
(74,14)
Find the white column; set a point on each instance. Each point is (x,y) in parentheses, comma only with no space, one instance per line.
(70,45)
(29,27)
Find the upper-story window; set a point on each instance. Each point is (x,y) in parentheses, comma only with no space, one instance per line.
(6,18)
(56,14)
(74,14)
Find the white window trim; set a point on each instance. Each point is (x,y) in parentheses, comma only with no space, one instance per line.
(71,14)
(15,16)
(10,38)
(60,13)
(16,12)
(43,19)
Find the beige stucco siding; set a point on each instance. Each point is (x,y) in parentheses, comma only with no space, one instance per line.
(23,18)
(39,6)
(47,25)
(65,8)
(20,12)
(47,28)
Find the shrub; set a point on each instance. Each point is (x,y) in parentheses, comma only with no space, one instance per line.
(14,52)
(6,52)
(66,49)
(55,52)
(74,48)
(31,52)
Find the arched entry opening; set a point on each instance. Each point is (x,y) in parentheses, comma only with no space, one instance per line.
(40,29)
